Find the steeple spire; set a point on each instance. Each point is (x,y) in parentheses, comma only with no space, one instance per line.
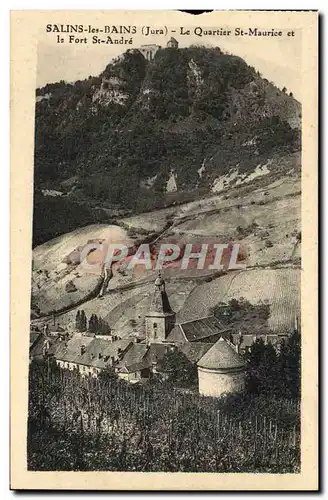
(160,301)
(160,319)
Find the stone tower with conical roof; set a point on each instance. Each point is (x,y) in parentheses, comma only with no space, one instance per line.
(160,319)
(221,371)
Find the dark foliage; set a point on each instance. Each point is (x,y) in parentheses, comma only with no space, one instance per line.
(181,372)
(242,315)
(81,321)
(53,216)
(98,325)
(272,372)
(185,106)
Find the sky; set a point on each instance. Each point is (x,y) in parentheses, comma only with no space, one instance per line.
(277,59)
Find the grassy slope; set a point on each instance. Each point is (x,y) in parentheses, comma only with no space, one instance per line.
(277,213)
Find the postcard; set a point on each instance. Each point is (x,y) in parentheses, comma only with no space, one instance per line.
(164,233)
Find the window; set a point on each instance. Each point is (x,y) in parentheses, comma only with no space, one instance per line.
(155,330)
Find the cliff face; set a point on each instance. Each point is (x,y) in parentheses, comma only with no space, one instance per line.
(192,115)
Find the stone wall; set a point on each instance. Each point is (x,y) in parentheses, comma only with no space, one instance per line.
(149,51)
(215,383)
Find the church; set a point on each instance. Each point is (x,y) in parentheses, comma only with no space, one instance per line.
(203,341)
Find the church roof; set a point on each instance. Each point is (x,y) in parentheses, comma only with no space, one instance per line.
(221,356)
(160,301)
(198,329)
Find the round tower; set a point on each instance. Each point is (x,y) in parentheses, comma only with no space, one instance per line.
(160,319)
(221,371)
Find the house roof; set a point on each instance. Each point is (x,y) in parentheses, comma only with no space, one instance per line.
(134,356)
(247,339)
(71,351)
(221,356)
(176,335)
(201,328)
(194,351)
(141,356)
(41,341)
(155,354)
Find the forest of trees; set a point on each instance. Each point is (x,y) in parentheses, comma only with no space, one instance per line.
(112,148)
(272,372)
(94,325)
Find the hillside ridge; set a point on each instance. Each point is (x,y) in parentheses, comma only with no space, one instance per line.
(148,134)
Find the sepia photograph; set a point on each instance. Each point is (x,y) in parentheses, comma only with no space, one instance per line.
(166,325)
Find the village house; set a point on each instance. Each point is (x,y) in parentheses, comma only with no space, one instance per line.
(206,342)
(90,355)
(244,341)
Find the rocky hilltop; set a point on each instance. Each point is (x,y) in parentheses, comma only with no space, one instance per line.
(149,134)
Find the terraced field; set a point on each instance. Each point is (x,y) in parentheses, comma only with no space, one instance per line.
(263,217)
(278,287)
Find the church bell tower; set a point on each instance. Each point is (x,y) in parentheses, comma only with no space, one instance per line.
(161,319)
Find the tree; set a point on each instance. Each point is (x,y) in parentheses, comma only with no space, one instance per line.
(269,372)
(98,325)
(181,372)
(103,327)
(83,322)
(290,366)
(93,323)
(262,368)
(78,321)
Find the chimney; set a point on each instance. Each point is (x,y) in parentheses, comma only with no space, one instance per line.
(82,349)
(239,341)
(154,366)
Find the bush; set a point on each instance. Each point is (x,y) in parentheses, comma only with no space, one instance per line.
(70,287)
